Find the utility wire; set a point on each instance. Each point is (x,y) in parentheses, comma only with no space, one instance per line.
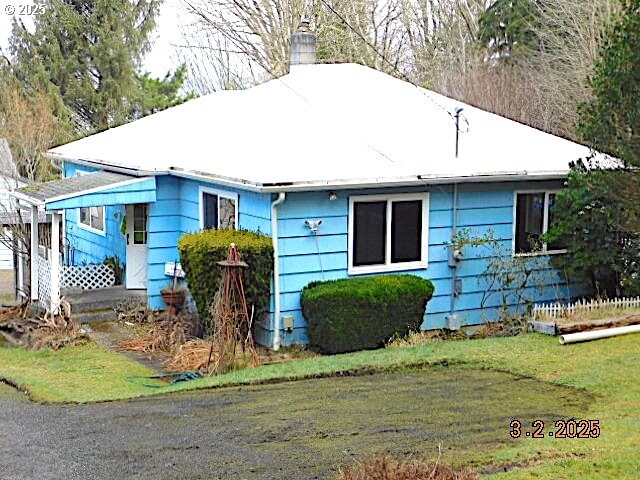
(384,59)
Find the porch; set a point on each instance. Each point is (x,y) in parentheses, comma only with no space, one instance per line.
(97,305)
(53,270)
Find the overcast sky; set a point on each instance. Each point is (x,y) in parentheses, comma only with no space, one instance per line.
(158,61)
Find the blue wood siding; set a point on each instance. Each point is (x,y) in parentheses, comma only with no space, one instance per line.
(177,211)
(305,257)
(142,191)
(174,212)
(88,247)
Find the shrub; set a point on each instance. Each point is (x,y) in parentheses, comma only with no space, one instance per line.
(360,313)
(200,252)
(384,467)
(597,219)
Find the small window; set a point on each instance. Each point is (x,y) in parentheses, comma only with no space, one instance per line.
(218,209)
(140,224)
(388,232)
(92,217)
(533,217)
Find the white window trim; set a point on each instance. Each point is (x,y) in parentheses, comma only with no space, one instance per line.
(219,193)
(545,223)
(388,266)
(84,226)
(89,228)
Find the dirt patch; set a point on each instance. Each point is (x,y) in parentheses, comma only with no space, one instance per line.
(111,334)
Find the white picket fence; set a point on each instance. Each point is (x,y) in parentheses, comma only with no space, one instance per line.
(559,310)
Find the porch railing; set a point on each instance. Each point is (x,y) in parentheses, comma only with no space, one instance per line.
(44,282)
(85,277)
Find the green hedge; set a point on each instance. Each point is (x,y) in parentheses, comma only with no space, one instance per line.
(200,252)
(364,312)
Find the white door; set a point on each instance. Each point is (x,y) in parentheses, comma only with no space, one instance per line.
(136,270)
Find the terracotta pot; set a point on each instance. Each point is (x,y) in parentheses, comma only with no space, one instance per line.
(174,299)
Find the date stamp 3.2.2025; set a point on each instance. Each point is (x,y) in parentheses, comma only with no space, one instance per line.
(570,428)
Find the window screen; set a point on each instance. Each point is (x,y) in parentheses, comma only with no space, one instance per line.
(210,214)
(370,229)
(227,212)
(406,231)
(552,201)
(97,217)
(92,217)
(529,221)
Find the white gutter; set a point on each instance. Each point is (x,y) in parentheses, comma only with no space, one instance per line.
(334,184)
(276,269)
(597,334)
(133,171)
(27,199)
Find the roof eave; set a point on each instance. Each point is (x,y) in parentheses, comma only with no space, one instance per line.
(342,184)
(36,202)
(412,181)
(104,165)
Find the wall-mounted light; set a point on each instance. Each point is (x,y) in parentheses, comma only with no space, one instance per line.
(333,196)
(313,225)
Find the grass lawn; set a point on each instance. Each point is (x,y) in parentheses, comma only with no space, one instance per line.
(606,369)
(87,373)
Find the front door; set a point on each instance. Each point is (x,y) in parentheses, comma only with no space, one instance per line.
(136,269)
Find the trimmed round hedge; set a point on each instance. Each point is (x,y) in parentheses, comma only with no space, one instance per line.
(200,252)
(363,313)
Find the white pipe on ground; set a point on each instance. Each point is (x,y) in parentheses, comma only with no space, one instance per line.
(276,270)
(597,334)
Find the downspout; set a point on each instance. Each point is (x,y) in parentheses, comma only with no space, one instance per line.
(276,269)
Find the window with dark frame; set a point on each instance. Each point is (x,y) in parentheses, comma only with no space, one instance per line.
(388,231)
(533,217)
(210,210)
(369,234)
(218,210)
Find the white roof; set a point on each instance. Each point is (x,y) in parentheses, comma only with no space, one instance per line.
(329,125)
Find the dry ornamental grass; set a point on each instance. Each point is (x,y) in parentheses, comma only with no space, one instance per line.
(384,467)
(167,333)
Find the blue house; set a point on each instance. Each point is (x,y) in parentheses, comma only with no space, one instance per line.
(350,171)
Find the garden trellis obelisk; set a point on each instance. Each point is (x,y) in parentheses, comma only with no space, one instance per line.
(231,320)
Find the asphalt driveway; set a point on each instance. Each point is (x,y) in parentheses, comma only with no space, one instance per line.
(300,430)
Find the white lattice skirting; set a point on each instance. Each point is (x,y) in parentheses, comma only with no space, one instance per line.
(44,282)
(87,277)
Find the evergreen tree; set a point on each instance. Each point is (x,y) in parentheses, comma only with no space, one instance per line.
(86,55)
(156,95)
(610,122)
(508,29)
(598,215)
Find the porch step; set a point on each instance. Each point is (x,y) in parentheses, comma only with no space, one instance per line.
(84,307)
(94,316)
(100,301)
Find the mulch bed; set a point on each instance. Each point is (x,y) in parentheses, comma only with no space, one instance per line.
(21,328)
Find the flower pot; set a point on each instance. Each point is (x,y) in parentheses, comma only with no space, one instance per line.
(174,299)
